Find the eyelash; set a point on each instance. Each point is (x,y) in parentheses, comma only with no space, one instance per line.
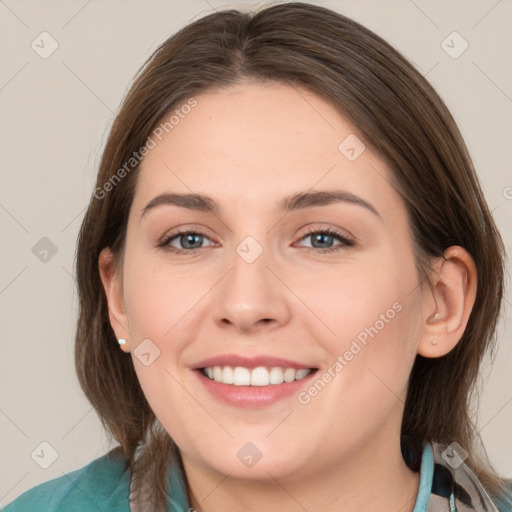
(346,242)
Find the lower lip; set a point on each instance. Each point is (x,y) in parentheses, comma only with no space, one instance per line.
(252,396)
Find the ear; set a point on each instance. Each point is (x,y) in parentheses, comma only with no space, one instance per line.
(112,284)
(448,308)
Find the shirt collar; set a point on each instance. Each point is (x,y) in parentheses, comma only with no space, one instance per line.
(447,484)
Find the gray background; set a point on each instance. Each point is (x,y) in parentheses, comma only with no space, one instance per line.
(56,112)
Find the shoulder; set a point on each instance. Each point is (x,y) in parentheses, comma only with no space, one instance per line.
(503,501)
(103,484)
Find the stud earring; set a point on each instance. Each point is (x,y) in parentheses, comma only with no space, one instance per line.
(433,319)
(121,341)
(434,342)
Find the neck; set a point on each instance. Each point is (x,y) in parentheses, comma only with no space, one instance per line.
(376,479)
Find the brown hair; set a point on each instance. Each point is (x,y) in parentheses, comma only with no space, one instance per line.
(398,114)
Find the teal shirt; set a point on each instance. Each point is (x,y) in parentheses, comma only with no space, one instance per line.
(103,485)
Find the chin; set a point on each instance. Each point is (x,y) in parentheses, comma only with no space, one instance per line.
(257,462)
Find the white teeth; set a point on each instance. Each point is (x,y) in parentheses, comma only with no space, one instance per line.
(217,373)
(227,375)
(260,376)
(276,376)
(300,374)
(289,374)
(241,376)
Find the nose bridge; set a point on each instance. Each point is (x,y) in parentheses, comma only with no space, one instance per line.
(249,278)
(250,292)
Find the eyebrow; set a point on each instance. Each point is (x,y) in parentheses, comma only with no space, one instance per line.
(296,201)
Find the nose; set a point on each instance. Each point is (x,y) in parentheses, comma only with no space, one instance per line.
(253,295)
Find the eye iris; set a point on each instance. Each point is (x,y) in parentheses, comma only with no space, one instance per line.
(188,237)
(322,237)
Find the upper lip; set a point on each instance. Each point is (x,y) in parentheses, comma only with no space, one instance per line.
(249,362)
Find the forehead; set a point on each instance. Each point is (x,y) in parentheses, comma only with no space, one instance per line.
(260,142)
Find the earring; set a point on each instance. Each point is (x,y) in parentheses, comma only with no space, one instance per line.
(121,341)
(434,342)
(433,319)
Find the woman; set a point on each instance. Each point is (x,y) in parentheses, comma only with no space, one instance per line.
(251,371)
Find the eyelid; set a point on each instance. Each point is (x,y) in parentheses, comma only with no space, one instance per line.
(165,240)
(345,240)
(342,233)
(189,228)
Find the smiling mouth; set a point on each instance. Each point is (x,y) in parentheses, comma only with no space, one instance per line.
(258,377)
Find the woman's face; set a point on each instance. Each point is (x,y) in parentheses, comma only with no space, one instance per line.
(260,286)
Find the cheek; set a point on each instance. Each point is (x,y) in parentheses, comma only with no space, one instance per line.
(371,314)
(364,300)
(160,305)
(158,297)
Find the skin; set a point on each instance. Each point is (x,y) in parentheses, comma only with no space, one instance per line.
(247,146)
